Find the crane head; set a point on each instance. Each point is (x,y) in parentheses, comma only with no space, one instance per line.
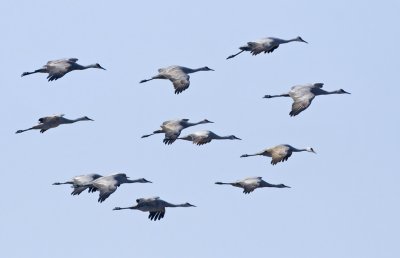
(301,40)
(341,91)
(206,68)
(309,149)
(87,118)
(188,205)
(206,121)
(99,66)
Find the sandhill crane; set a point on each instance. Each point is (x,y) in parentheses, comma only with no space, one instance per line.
(172,129)
(279,153)
(178,75)
(79,183)
(48,122)
(303,95)
(203,137)
(266,45)
(58,68)
(155,206)
(252,183)
(109,184)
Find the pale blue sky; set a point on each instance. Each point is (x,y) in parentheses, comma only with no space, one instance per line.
(343,201)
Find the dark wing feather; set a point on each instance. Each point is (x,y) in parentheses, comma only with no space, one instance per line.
(271,50)
(247,191)
(92,189)
(255,48)
(180,85)
(78,189)
(54,76)
(103,196)
(170,137)
(201,141)
(156,215)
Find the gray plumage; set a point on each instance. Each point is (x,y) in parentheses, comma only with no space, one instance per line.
(251,183)
(303,95)
(266,45)
(279,153)
(203,137)
(48,122)
(155,206)
(58,68)
(79,183)
(173,128)
(178,75)
(107,185)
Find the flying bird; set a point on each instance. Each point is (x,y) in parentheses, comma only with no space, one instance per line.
(178,75)
(58,68)
(107,185)
(172,129)
(203,137)
(48,122)
(79,183)
(155,206)
(279,153)
(303,95)
(266,45)
(252,183)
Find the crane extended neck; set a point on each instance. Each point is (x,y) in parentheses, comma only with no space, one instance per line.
(70,121)
(190,70)
(276,96)
(167,204)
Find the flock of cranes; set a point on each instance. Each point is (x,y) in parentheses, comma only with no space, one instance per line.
(302,96)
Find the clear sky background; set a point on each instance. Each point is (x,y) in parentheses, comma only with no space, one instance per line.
(343,201)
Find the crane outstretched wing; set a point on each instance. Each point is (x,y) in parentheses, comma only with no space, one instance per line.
(302,97)
(280,155)
(181,84)
(171,136)
(58,68)
(200,139)
(105,186)
(78,189)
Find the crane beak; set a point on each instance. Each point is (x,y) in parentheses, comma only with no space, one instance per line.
(302,40)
